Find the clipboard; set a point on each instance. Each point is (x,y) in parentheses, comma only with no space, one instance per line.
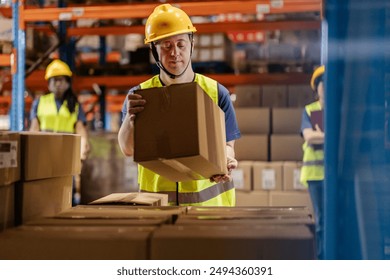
(316,117)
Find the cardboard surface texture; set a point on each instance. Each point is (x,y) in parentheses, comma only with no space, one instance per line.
(181,133)
(213,242)
(42,198)
(75,243)
(135,198)
(9,157)
(47,155)
(7,219)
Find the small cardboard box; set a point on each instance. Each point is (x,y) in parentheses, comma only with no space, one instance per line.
(300,95)
(247,96)
(134,198)
(286,147)
(181,133)
(291,176)
(274,96)
(253,198)
(242,176)
(291,198)
(286,120)
(253,120)
(86,212)
(48,155)
(42,198)
(9,157)
(252,147)
(267,175)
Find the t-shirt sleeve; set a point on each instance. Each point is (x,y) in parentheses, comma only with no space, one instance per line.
(306,123)
(225,103)
(81,115)
(34,109)
(124,106)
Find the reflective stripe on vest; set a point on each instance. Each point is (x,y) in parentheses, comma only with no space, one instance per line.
(198,192)
(199,198)
(51,119)
(313,158)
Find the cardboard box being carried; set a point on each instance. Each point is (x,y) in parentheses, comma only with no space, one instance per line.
(181,133)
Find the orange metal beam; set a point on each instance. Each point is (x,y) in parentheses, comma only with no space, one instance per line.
(36,81)
(192,8)
(6,12)
(201,28)
(5,60)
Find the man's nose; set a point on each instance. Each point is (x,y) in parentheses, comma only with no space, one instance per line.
(174,51)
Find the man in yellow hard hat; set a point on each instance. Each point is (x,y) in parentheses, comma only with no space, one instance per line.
(59,110)
(312,172)
(169,31)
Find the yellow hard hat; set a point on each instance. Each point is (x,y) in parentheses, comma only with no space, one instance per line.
(167,21)
(317,73)
(57,68)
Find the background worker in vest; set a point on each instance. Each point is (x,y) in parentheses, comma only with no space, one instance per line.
(312,173)
(59,110)
(169,31)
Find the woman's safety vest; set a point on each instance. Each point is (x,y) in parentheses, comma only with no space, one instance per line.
(53,120)
(313,155)
(197,192)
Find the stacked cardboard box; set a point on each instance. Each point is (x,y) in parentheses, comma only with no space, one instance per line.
(146,232)
(9,174)
(36,174)
(270,149)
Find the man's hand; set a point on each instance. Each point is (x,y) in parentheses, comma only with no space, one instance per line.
(135,104)
(231,164)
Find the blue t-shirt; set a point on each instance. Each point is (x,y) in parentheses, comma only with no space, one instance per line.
(306,123)
(34,110)
(224,102)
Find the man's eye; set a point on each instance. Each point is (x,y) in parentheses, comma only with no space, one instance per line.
(166,46)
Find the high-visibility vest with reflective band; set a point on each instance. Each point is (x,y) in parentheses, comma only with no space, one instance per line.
(53,120)
(197,192)
(313,157)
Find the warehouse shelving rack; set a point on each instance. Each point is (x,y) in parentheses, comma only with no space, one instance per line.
(23,15)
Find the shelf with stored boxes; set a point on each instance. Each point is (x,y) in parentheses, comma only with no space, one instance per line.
(257,17)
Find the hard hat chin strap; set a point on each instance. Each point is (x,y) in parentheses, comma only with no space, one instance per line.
(159,64)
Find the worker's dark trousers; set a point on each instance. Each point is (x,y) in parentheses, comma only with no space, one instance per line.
(317,199)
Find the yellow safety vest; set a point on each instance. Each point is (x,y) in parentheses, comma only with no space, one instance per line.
(56,121)
(197,192)
(313,159)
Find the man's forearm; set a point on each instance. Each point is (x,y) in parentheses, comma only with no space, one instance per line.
(126,136)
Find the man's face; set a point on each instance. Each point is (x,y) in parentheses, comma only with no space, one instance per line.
(174,52)
(58,85)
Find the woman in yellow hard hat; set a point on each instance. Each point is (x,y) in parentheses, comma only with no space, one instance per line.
(312,172)
(169,31)
(59,110)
